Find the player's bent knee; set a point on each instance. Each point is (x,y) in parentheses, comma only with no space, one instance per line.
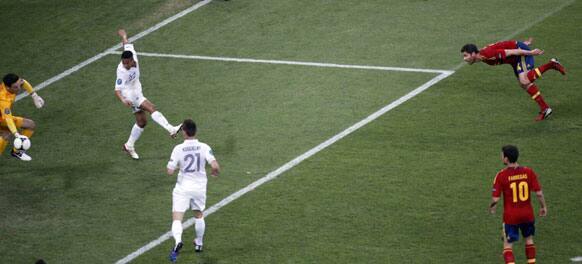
(29,124)
(524,85)
(198,214)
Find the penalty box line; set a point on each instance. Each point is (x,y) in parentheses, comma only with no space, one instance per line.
(285,62)
(289,165)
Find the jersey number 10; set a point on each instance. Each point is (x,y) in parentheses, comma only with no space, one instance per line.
(520,191)
(190,160)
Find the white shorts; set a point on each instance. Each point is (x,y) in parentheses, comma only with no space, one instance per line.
(182,200)
(136,99)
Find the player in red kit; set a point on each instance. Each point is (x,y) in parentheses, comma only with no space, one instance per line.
(516,184)
(521,58)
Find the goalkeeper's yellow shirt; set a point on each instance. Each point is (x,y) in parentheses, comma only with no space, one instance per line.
(6,100)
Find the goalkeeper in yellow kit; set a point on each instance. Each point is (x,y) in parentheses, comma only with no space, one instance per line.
(9,124)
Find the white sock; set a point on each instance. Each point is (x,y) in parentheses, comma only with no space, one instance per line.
(162,121)
(134,135)
(177,231)
(200,225)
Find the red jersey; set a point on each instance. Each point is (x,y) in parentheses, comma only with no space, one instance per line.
(494,54)
(516,184)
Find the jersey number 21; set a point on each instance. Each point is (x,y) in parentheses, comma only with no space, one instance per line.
(190,160)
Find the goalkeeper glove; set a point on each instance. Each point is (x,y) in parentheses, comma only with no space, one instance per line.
(38,101)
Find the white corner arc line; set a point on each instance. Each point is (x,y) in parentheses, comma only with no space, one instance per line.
(142,34)
(287,166)
(284,62)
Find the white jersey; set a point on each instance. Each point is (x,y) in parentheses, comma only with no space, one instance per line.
(191,158)
(128,80)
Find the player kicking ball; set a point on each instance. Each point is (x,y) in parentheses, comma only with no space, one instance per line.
(9,124)
(519,55)
(516,183)
(128,90)
(190,190)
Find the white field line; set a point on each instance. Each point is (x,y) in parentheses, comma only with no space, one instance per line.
(576,259)
(527,26)
(142,34)
(283,62)
(287,166)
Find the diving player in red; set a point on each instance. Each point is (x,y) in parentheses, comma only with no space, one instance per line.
(516,184)
(520,57)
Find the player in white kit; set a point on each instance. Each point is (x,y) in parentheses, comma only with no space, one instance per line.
(190,158)
(128,90)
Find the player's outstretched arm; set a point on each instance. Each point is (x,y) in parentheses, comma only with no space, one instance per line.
(542,200)
(520,52)
(38,101)
(9,120)
(123,35)
(215,168)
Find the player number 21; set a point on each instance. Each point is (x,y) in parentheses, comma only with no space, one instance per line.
(190,159)
(520,191)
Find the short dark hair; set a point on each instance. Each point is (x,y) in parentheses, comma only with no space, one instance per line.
(127,55)
(470,48)
(10,79)
(189,127)
(510,152)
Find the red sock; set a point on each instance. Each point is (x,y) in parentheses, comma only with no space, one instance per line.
(537,72)
(508,256)
(537,96)
(530,253)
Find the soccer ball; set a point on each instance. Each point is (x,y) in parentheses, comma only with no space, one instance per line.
(21,143)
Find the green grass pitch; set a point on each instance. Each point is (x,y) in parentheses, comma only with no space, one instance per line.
(410,187)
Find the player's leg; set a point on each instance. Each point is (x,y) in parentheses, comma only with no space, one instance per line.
(140,123)
(510,235)
(553,64)
(180,203)
(198,204)
(521,69)
(5,137)
(159,117)
(177,228)
(200,227)
(28,126)
(533,74)
(528,231)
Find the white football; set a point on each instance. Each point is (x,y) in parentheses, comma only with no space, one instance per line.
(22,143)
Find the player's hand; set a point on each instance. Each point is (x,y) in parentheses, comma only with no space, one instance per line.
(543,211)
(492,209)
(121,32)
(127,103)
(16,135)
(529,41)
(537,52)
(38,101)
(214,173)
